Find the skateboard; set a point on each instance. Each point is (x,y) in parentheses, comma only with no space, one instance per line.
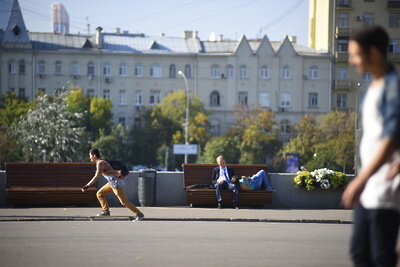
(111,218)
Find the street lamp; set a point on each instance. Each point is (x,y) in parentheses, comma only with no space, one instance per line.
(187,112)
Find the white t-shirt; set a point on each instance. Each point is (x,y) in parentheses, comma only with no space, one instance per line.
(378,192)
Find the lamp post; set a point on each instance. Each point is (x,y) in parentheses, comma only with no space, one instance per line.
(187,112)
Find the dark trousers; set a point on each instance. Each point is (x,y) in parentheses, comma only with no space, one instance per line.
(374,237)
(233,187)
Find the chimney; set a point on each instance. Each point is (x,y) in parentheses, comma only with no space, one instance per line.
(188,34)
(293,39)
(98,38)
(118,30)
(220,38)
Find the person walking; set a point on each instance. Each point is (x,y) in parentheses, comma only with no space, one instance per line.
(116,184)
(375,197)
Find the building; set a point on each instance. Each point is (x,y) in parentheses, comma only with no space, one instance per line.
(332,22)
(135,71)
(59,18)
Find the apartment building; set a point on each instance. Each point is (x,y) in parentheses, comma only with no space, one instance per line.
(332,22)
(136,71)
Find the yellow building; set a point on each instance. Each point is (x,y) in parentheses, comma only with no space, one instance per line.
(330,24)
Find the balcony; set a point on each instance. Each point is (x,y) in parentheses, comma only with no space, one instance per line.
(394,57)
(341,56)
(393,4)
(343,84)
(344,4)
(343,31)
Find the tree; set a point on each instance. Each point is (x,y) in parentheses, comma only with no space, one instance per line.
(49,131)
(228,146)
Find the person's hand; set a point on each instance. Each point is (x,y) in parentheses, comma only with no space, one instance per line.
(84,188)
(393,170)
(220,181)
(351,196)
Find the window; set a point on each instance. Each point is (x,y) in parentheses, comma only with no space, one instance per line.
(367,77)
(286,100)
(215,71)
(368,19)
(313,73)
(285,72)
(74,68)
(106,94)
(172,71)
(21,67)
(394,46)
(21,92)
(264,100)
(139,98)
(343,20)
(58,68)
(214,99)
(41,67)
(41,91)
(216,128)
(90,92)
(341,73)
(344,3)
(285,126)
(122,120)
(138,70)
(122,70)
(242,98)
(155,97)
(313,100)
(107,69)
(394,19)
(11,89)
(11,66)
(243,71)
(137,122)
(155,71)
(122,97)
(341,100)
(229,71)
(188,71)
(90,69)
(342,44)
(264,72)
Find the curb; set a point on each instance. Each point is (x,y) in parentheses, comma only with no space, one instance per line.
(129,218)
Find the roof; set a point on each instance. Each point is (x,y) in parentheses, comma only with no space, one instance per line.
(55,41)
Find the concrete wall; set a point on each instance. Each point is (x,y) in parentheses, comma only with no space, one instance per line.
(170,192)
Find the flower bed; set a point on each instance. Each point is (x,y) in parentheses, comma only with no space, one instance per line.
(322,178)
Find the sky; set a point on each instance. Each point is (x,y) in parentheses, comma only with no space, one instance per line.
(231,18)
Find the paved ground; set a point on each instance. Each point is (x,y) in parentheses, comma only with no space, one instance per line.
(184,213)
(174,236)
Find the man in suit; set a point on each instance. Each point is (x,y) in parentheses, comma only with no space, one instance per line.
(222,176)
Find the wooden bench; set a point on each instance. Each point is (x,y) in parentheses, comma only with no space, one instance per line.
(200,174)
(49,183)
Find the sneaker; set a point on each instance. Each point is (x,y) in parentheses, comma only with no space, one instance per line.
(104,213)
(139,217)
(236,207)
(219,206)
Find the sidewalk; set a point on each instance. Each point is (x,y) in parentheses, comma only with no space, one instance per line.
(336,216)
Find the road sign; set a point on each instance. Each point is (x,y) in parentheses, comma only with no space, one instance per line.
(185,149)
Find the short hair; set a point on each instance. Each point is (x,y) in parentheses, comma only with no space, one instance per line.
(95,151)
(374,36)
(220,157)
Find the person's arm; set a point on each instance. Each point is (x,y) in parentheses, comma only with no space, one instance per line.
(99,171)
(353,191)
(394,170)
(116,173)
(245,186)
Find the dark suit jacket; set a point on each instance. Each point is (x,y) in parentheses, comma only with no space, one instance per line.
(215,173)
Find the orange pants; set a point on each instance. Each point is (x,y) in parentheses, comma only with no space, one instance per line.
(120,193)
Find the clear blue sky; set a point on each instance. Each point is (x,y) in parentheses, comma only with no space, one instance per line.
(231,18)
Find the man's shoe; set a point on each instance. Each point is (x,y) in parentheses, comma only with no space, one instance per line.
(104,213)
(236,207)
(219,206)
(139,217)
(271,190)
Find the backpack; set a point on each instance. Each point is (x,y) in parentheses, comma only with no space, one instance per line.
(118,165)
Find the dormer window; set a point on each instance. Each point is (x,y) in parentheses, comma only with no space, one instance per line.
(16,30)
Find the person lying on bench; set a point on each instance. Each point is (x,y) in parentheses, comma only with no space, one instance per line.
(254,182)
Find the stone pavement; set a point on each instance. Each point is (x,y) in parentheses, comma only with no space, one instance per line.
(332,216)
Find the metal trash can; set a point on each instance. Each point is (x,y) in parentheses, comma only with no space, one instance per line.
(147,187)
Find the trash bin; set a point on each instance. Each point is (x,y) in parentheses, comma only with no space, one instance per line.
(147,187)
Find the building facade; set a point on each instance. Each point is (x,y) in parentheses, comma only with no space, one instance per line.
(330,26)
(135,71)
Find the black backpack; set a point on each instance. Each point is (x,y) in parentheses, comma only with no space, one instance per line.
(118,165)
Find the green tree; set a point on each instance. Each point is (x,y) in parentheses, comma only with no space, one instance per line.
(100,116)
(228,146)
(49,131)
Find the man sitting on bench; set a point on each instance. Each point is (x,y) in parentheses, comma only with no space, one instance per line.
(222,175)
